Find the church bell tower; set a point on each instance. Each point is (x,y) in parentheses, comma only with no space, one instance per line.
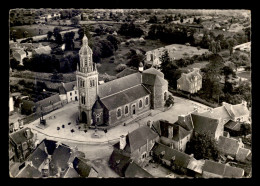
(87,82)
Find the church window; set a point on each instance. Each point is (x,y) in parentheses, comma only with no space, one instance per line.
(118,113)
(126,109)
(83,83)
(146,101)
(83,100)
(140,104)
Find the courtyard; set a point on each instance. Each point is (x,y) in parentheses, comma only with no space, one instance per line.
(65,120)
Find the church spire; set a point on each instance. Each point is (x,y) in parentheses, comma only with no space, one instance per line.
(85,40)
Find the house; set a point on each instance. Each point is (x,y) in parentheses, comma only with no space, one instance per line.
(238,112)
(203,124)
(54,159)
(135,171)
(116,101)
(190,82)
(243,155)
(19,55)
(175,159)
(233,127)
(174,135)
(229,146)
(69,91)
(22,144)
(49,104)
(137,144)
(41,50)
(213,169)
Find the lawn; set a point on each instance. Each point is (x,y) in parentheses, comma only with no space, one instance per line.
(33,30)
(196,65)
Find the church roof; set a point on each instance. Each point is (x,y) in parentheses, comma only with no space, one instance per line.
(153,79)
(124,97)
(97,105)
(154,72)
(117,85)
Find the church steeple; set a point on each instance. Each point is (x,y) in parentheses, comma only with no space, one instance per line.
(86,61)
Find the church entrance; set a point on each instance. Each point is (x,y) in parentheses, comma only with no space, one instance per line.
(83,117)
(133,109)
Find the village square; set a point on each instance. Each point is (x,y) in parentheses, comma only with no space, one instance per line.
(143,93)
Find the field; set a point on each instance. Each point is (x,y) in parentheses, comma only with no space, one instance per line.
(33,30)
(196,65)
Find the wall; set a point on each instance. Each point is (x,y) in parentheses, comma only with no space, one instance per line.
(159,96)
(210,175)
(73,95)
(113,113)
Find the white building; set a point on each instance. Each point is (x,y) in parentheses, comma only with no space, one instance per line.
(69,91)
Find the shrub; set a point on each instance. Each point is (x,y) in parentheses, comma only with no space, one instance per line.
(98,65)
(127,43)
(120,67)
(225,54)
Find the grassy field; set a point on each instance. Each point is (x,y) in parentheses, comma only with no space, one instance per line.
(196,65)
(33,30)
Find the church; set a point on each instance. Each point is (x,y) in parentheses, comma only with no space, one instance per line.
(119,100)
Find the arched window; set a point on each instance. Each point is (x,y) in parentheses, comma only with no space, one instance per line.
(146,100)
(83,83)
(83,100)
(126,109)
(140,104)
(165,96)
(118,114)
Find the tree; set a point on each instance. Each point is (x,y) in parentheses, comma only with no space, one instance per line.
(153,19)
(14,63)
(74,21)
(113,40)
(181,20)
(58,39)
(68,40)
(135,60)
(49,35)
(169,101)
(231,43)
(56,31)
(203,146)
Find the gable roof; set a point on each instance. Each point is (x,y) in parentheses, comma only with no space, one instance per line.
(82,167)
(233,172)
(124,97)
(119,84)
(213,167)
(181,158)
(204,124)
(190,76)
(216,113)
(186,122)
(154,72)
(125,72)
(46,102)
(19,136)
(71,173)
(133,170)
(228,145)
(233,125)
(237,110)
(60,157)
(153,79)
(69,86)
(118,162)
(29,172)
(38,157)
(179,132)
(139,137)
(242,154)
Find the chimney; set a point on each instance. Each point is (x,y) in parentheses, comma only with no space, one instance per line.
(122,142)
(170,132)
(27,133)
(224,103)
(141,67)
(149,123)
(181,118)
(191,155)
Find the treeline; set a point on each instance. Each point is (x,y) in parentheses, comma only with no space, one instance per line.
(168,34)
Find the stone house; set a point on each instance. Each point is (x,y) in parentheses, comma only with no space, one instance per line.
(22,144)
(116,101)
(41,50)
(54,159)
(48,104)
(137,144)
(173,135)
(190,82)
(69,91)
(19,55)
(238,112)
(213,169)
